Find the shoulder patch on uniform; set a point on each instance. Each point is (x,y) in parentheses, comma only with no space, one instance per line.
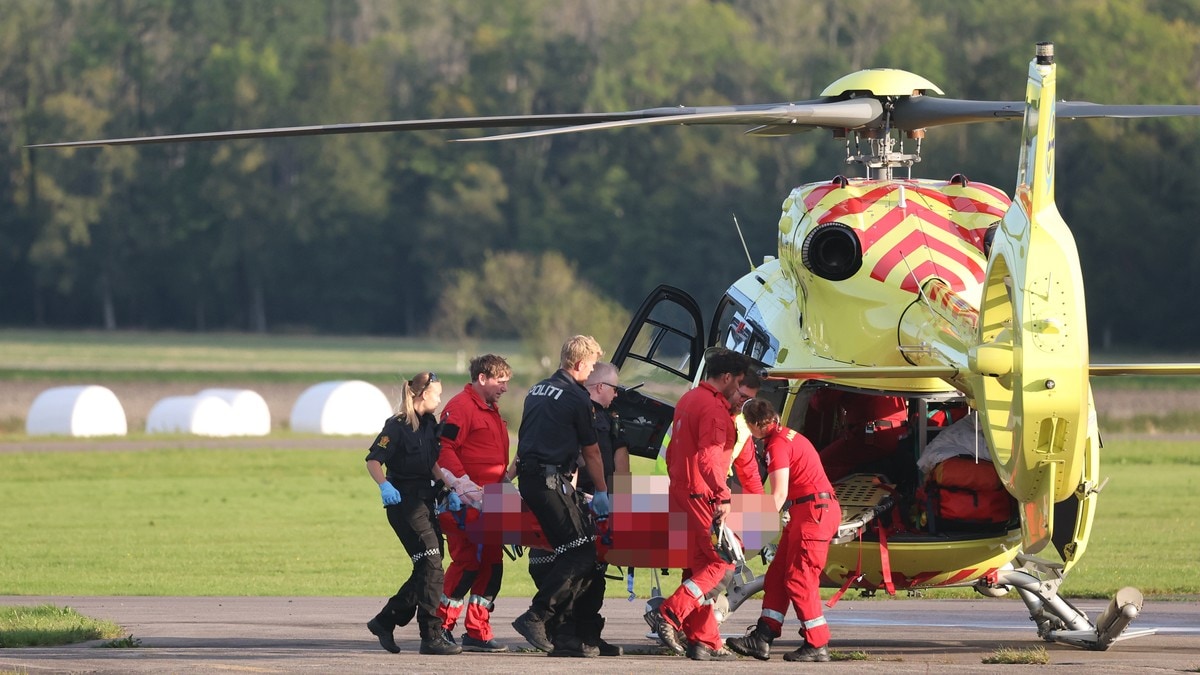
(791,434)
(383,441)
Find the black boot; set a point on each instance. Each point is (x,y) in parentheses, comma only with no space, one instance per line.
(589,632)
(701,652)
(756,642)
(383,630)
(808,653)
(533,630)
(570,645)
(667,635)
(438,645)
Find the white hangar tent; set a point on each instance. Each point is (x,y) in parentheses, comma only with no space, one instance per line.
(251,416)
(199,415)
(348,407)
(86,410)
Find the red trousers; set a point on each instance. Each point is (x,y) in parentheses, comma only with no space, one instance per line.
(794,576)
(690,607)
(473,569)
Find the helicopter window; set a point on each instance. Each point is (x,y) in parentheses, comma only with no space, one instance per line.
(743,332)
(660,357)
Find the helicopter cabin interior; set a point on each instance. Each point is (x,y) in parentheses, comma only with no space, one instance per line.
(881,449)
(915,466)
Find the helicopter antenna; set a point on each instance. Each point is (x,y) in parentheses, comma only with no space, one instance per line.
(916,281)
(743,238)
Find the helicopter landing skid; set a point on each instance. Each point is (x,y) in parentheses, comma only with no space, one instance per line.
(1037,582)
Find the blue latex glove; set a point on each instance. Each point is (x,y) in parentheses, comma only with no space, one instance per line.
(391,496)
(601,506)
(453,501)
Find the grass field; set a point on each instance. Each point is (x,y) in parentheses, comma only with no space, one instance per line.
(308,522)
(139,356)
(286,521)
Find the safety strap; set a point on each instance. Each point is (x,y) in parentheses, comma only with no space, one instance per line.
(885,561)
(897,518)
(850,578)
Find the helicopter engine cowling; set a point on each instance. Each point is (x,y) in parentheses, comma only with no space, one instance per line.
(939,329)
(858,251)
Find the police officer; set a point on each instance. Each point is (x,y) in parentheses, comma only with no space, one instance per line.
(555,428)
(799,485)
(403,462)
(601,386)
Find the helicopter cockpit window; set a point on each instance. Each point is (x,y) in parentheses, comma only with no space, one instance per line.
(742,329)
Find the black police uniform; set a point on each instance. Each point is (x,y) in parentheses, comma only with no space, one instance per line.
(610,437)
(586,621)
(409,457)
(556,423)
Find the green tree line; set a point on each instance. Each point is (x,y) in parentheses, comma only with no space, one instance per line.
(373,233)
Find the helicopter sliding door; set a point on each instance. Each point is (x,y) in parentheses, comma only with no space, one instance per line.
(658,357)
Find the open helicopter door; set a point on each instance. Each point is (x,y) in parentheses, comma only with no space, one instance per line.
(658,357)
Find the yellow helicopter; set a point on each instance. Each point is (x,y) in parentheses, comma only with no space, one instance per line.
(897,305)
(942,300)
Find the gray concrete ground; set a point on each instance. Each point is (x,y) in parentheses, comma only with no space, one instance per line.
(328,635)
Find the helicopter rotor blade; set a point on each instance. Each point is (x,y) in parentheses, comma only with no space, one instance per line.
(921,112)
(361,128)
(800,115)
(850,114)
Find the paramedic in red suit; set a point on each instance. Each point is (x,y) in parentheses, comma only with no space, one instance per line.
(745,460)
(799,485)
(698,458)
(474,454)
(866,428)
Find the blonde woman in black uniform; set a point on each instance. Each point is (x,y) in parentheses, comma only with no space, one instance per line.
(403,462)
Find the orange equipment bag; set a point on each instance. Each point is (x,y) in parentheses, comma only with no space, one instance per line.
(963,494)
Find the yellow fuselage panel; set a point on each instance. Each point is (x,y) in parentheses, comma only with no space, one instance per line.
(910,231)
(920,564)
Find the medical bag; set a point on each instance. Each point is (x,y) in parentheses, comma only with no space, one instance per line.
(964,494)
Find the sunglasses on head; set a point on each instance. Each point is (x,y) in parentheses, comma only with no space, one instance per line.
(412,384)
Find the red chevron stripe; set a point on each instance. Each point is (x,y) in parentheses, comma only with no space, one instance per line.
(918,210)
(960,575)
(849,206)
(916,241)
(995,193)
(855,206)
(886,223)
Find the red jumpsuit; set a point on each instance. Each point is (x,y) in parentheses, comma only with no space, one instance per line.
(480,450)
(794,576)
(698,456)
(745,467)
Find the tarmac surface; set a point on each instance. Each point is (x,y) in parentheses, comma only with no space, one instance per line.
(203,635)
